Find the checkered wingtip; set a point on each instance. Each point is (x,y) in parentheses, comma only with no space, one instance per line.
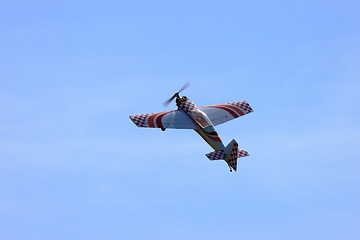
(243,105)
(140,120)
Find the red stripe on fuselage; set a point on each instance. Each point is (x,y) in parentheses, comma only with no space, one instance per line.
(199,132)
(215,137)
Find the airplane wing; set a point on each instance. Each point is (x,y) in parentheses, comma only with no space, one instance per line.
(170,119)
(225,112)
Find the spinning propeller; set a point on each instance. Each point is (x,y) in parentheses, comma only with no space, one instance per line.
(176,94)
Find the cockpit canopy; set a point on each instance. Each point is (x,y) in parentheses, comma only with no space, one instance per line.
(201,118)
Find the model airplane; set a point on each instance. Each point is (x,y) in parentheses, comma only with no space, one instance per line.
(202,120)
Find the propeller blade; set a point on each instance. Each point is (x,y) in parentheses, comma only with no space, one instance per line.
(187,84)
(169,101)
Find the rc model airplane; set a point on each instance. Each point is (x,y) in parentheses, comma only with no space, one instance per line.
(202,120)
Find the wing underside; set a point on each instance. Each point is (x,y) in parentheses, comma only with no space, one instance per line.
(170,119)
(225,112)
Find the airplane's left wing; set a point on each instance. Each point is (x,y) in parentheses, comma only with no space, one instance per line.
(170,119)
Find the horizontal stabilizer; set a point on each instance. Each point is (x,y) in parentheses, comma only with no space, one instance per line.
(220,154)
(216,155)
(242,153)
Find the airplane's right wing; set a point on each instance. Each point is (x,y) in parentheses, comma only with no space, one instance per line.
(225,112)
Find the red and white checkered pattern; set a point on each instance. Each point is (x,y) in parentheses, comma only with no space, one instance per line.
(243,105)
(216,155)
(140,120)
(242,153)
(220,154)
(234,156)
(187,106)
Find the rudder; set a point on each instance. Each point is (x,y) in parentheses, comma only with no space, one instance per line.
(232,154)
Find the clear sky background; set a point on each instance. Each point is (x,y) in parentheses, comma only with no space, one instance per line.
(73,165)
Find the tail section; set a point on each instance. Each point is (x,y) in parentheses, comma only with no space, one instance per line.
(230,154)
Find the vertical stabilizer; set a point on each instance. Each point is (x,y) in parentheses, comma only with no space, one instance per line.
(232,154)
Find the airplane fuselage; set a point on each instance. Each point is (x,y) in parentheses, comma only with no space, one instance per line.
(205,127)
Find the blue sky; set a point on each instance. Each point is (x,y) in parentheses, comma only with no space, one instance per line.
(73,165)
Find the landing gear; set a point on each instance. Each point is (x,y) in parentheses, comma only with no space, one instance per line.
(163,129)
(230,168)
